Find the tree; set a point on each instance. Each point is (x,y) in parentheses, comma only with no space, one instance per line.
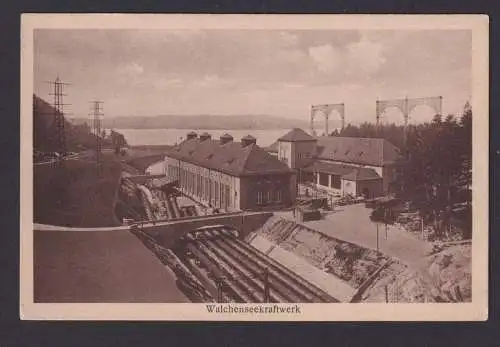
(350,131)
(118,141)
(436,165)
(439,155)
(466,145)
(335,133)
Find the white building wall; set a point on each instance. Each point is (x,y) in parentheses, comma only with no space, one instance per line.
(241,190)
(328,188)
(378,169)
(285,152)
(235,193)
(388,173)
(302,153)
(191,186)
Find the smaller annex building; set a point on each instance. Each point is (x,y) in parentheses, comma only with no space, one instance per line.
(230,175)
(342,165)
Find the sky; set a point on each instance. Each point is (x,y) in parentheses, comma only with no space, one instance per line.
(272,72)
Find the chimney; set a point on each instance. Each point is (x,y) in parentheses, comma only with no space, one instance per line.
(225,139)
(247,140)
(191,135)
(205,136)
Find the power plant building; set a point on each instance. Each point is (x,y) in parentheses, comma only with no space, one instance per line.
(342,165)
(230,175)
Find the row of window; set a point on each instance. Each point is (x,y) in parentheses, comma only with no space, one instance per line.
(219,194)
(335,181)
(284,155)
(268,197)
(304,155)
(203,187)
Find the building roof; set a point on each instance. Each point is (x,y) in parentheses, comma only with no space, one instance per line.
(273,148)
(361,174)
(367,151)
(249,137)
(162,182)
(357,150)
(346,172)
(296,135)
(232,157)
(330,168)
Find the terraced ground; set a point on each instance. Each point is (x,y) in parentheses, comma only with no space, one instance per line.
(349,262)
(443,276)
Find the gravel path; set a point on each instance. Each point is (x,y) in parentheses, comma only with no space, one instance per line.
(352,223)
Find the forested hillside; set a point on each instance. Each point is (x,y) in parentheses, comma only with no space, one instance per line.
(78,137)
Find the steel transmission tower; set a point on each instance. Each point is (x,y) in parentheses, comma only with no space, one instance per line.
(59,121)
(407,105)
(325,111)
(96,119)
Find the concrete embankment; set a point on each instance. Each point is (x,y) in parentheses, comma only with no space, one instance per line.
(348,270)
(345,270)
(330,284)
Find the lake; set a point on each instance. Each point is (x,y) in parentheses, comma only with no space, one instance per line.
(137,137)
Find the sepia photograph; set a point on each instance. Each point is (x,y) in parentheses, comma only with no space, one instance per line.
(225,167)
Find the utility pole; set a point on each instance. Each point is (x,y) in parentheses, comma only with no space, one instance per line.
(220,295)
(59,121)
(96,118)
(377,239)
(316,184)
(297,193)
(265,279)
(397,290)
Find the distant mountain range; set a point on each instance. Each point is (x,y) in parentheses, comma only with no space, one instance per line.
(230,122)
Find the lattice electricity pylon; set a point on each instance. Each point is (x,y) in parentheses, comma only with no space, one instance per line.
(96,118)
(407,105)
(58,106)
(326,110)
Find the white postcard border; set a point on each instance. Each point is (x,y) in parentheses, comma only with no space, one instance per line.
(475,311)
